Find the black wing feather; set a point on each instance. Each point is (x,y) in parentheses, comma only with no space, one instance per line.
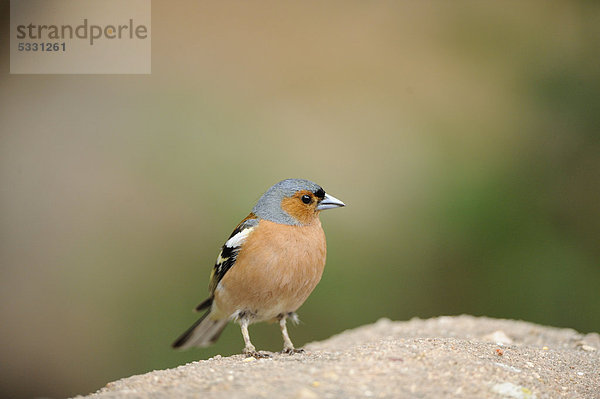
(228,255)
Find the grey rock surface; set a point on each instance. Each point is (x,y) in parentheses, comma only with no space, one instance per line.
(449,356)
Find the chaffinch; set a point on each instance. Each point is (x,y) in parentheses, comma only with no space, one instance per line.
(268,267)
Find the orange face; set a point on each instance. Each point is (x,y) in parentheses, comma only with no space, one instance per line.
(302,206)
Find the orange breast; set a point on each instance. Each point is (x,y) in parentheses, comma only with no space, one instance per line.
(276,270)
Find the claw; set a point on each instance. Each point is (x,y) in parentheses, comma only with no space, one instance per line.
(292,351)
(256,354)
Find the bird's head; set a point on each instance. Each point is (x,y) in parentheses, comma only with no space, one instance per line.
(294,202)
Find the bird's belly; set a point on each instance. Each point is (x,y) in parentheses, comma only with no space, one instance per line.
(274,275)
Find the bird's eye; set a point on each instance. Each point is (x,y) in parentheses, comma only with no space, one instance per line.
(306,199)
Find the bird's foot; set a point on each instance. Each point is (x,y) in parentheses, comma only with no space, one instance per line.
(292,351)
(251,352)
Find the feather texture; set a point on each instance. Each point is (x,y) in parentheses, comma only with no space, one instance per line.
(229,252)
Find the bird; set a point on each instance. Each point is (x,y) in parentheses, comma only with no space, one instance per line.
(268,266)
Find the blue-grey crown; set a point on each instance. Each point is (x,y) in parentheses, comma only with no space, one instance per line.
(269,205)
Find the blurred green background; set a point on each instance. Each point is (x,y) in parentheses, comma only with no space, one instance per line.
(464,137)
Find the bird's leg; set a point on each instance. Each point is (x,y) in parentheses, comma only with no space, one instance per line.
(288,346)
(249,349)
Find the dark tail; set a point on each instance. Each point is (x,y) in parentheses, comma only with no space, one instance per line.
(205,304)
(202,333)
